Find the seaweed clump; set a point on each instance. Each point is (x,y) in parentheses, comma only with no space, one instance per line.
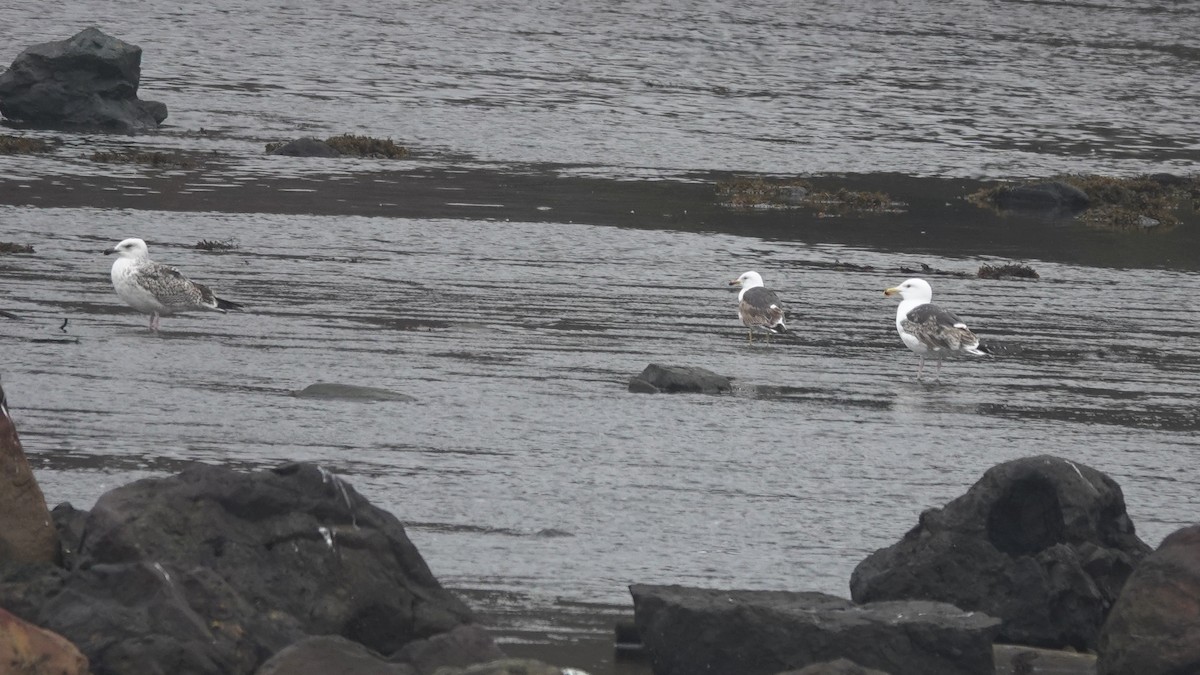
(21,145)
(761,193)
(10,247)
(217,244)
(1138,203)
(365,146)
(1108,202)
(1008,270)
(149,158)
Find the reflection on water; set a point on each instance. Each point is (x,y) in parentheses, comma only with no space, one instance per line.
(518,339)
(925,87)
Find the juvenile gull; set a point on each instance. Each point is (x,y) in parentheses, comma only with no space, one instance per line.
(156,289)
(759,306)
(929,330)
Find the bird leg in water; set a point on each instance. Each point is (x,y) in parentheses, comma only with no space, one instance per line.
(920,366)
(154,322)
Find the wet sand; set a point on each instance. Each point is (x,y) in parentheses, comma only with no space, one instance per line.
(935,216)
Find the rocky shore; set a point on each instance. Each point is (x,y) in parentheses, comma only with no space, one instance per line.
(290,570)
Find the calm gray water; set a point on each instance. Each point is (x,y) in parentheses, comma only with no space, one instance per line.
(518,339)
(519,350)
(981,88)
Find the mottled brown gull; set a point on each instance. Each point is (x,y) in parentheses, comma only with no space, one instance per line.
(929,330)
(156,289)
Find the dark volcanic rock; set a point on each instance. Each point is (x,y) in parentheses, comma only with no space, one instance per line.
(150,617)
(296,539)
(87,82)
(692,630)
(213,571)
(462,646)
(329,654)
(1154,629)
(675,379)
(1049,196)
(1040,542)
(306,147)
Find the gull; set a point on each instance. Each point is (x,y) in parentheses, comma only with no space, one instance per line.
(758,306)
(156,289)
(929,330)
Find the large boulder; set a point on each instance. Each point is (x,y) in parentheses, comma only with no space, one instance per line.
(26,649)
(1043,543)
(86,82)
(1154,629)
(26,530)
(213,571)
(693,630)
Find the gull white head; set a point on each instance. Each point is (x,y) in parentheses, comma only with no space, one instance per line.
(912,289)
(132,248)
(749,279)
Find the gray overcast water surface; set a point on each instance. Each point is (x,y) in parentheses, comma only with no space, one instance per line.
(518,339)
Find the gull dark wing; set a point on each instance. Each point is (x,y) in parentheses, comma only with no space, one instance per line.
(170,287)
(938,328)
(761,306)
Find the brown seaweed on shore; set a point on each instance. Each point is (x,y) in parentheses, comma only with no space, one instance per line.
(217,244)
(1135,203)
(365,146)
(933,271)
(762,193)
(349,145)
(11,247)
(1008,270)
(21,145)
(150,158)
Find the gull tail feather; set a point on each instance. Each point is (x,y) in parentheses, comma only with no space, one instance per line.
(228,305)
(980,350)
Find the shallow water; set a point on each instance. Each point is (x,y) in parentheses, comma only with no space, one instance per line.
(525,465)
(970,88)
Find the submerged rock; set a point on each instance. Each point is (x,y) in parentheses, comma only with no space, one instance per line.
(350,392)
(1154,629)
(657,378)
(694,630)
(87,82)
(1049,195)
(1042,543)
